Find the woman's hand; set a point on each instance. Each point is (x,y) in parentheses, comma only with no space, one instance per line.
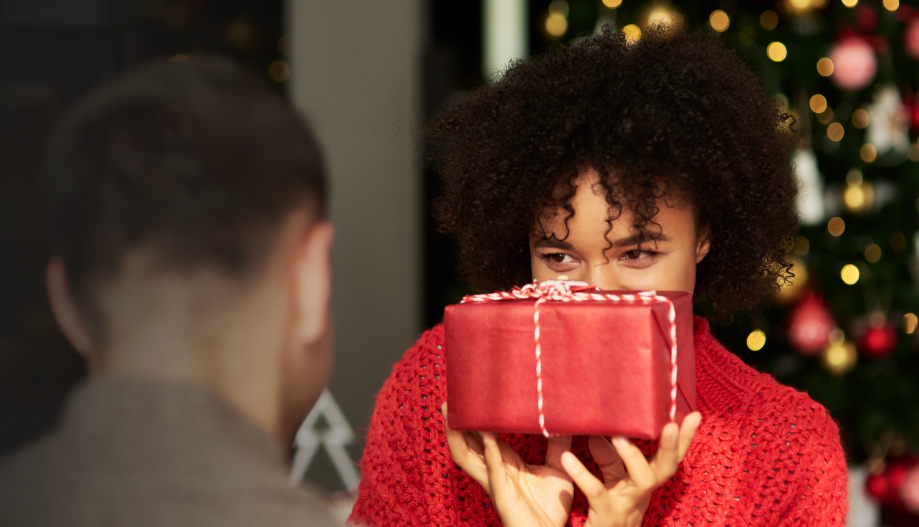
(525,495)
(622,498)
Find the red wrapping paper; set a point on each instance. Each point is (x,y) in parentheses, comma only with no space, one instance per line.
(606,366)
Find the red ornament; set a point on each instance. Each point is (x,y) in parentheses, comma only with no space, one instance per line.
(854,63)
(809,325)
(879,341)
(898,486)
(911,39)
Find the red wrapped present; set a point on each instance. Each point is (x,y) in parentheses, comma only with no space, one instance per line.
(558,358)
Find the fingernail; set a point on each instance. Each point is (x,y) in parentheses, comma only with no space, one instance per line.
(566,458)
(621,441)
(674,434)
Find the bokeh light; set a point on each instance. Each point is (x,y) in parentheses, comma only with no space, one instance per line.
(719,20)
(279,71)
(825,67)
(802,245)
(556,24)
(632,33)
(818,103)
(756,340)
(836,226)
(776,51)
(769,19)
(891,5)
(850,3)
(873,253)
(868,152)
(835,131)
(910,321)
(849,274)
(860,118)
(840,357)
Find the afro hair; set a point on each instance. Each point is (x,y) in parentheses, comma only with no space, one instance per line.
(673,114)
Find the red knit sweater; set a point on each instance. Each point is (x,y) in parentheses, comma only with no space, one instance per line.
(764,453)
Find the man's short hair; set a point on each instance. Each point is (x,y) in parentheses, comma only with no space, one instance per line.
(200,161)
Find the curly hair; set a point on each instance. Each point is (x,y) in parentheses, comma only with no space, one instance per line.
(675,114)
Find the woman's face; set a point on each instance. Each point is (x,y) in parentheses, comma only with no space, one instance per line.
(665,264)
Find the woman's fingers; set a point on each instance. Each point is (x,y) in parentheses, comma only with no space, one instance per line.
(554,450)
(467,459)
(674,444)
(635,463)
(688,431)
(607,459)
(594,490)
(667,458)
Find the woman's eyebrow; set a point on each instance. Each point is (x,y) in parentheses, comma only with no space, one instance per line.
(553,243)
(639,238)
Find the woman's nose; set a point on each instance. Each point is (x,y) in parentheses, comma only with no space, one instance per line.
(605,277)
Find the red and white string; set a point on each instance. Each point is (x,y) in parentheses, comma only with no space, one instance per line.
(561,291)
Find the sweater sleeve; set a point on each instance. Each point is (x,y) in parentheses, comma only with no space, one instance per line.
(820,495)
(407,474)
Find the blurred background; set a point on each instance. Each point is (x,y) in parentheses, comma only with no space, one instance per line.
(368,75)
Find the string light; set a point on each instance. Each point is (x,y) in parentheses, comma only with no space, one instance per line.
(859,195)
(776,51)
(910,321)
(769,19)
(850,3)
(612,4)
(557,21)
(818,103)
(835,132)
(849,274)
(826,117)
(632,33)
(556,24)
(873,253)
(836,226)
(860,118)
(891,5)
(868,152)
(825,67)
(719,20)
(756,340)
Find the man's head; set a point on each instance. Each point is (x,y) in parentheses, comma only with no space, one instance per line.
(189,239)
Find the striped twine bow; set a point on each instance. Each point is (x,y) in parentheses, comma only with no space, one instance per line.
(565,291)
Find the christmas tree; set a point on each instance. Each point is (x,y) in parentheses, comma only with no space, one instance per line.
(845,328)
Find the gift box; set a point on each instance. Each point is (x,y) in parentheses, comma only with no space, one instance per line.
(563,359)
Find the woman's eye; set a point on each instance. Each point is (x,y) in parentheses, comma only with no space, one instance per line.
(558,257)
(637,254)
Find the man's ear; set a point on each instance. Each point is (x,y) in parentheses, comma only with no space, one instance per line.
(64,309)
(313,289)
(704,243)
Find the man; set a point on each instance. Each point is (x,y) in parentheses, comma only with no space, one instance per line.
(191,268)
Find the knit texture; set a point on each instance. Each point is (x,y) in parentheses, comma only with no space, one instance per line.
(764,453)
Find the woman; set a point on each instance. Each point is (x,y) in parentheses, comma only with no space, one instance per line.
(655,165)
